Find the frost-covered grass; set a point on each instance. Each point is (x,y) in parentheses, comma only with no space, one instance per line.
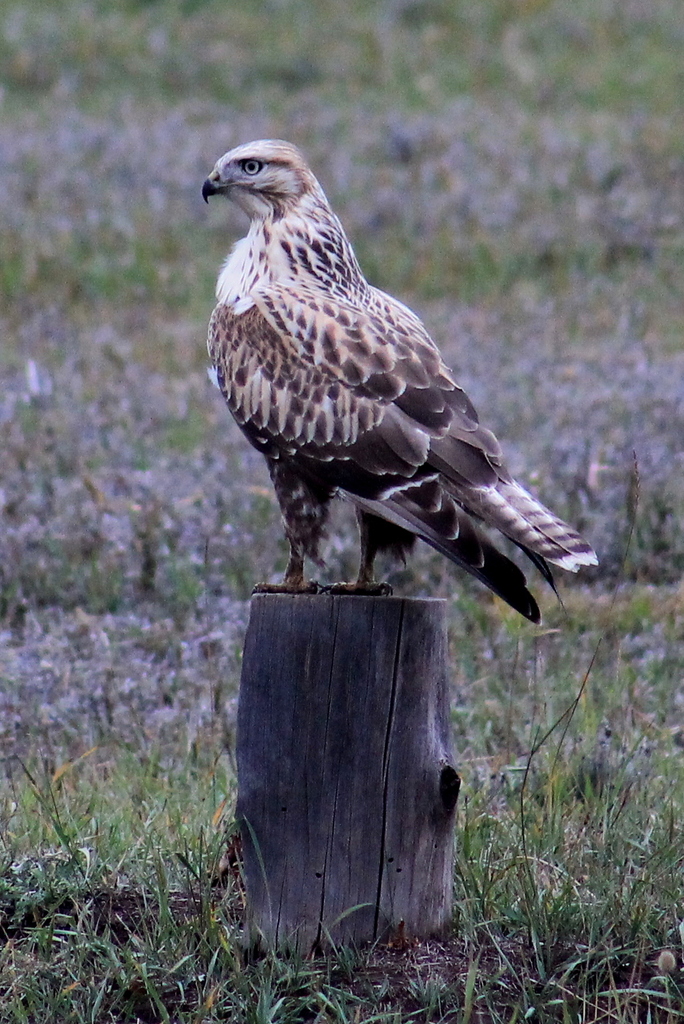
(513,171)
(569,881)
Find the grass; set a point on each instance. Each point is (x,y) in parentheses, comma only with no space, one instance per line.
(568,885)
(515,172)
(569,870)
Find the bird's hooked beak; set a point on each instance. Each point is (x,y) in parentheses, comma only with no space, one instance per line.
(211,186)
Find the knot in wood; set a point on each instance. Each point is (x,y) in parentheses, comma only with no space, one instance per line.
(449,786)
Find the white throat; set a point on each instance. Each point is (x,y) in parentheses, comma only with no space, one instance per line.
(251,263)
(237,276)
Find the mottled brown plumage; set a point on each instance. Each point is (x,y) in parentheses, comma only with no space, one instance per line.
(343,391)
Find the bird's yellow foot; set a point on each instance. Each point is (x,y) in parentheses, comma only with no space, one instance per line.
(305,587)
(360,589)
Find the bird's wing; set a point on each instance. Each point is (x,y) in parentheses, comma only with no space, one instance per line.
(380,353)
(362,398)
(322,378)
(339,433)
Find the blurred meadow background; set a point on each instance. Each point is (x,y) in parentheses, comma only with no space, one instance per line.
(512,169)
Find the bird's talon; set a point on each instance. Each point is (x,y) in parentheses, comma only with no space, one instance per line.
(359,589)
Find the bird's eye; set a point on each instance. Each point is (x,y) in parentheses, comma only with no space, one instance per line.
(251,166)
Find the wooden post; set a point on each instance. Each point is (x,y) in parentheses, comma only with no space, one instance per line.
(346,786)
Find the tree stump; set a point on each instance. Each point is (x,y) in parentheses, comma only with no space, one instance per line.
(346,785)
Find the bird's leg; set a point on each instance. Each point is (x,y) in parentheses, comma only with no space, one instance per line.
(304,505)
(366,584)
(293,581)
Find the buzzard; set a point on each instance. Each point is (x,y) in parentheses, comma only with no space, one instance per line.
(343,391)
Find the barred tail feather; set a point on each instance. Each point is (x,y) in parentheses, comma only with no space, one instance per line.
(518,515)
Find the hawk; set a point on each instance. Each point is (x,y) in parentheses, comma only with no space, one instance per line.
(343,391)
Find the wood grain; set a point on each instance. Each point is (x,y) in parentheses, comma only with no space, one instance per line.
(346,785)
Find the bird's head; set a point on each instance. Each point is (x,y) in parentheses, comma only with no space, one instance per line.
(264,178)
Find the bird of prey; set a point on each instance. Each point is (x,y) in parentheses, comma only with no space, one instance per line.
(343,391)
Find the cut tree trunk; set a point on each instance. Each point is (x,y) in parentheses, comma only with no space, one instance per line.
(346,785)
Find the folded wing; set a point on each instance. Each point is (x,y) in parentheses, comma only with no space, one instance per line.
(360,399)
